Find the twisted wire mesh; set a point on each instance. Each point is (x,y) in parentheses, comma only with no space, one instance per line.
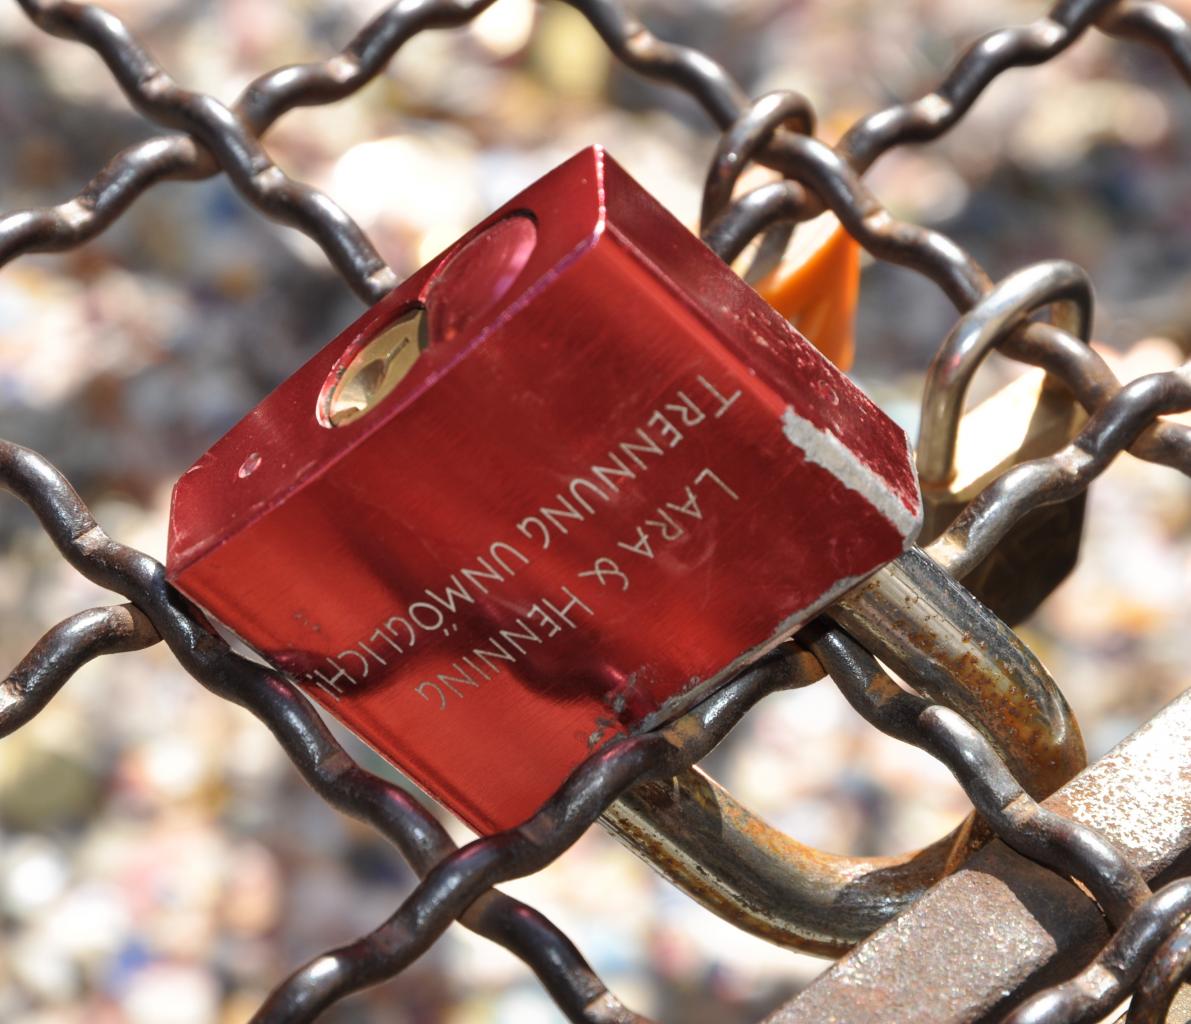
(215,138)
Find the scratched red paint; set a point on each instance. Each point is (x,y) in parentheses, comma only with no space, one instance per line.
(584,504)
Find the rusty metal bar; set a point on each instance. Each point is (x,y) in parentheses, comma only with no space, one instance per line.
(1004,926)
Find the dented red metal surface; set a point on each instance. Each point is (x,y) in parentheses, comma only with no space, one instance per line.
(613,476)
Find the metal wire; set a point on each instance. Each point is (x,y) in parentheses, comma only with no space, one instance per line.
(1067,473)
(1105,982)
(1017,818)
(323,762)
(775,130)
(1163,977)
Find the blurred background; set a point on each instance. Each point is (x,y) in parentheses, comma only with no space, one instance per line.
(160,860)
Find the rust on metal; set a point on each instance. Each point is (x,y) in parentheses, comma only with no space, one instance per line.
(1003,926)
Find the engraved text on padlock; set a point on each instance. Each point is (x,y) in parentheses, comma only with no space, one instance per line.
(556,487)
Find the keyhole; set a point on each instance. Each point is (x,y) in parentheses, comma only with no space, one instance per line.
(377,369)
(359,391)
(459,297)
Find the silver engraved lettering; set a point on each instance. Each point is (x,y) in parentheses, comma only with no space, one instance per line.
(723,486)
(725,403)
(381,634)
(690,507)
(376,656)
(351,652)
(507,547)
(479,671)
(667,526)
(495,651)
(413,638)
(526,633)
(455,591)
(605,567)
(580,482)
(642,547)
(523,529)
(420,690)
(546,621)
(340,673)
(687,410)
(413,612)
(555,515)
(619,469)
(574,602)
(670,433)
(315,679)
(473,576)
(463,678)
(650,447)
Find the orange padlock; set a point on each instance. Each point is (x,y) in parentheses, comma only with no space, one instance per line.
(816,285)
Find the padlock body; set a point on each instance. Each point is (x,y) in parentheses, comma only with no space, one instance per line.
(602,490)
(1030,418)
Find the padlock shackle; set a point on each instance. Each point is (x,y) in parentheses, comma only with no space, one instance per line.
(741,868)
(1056,283)
(942,641)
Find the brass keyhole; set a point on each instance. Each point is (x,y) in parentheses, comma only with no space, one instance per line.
(377,369)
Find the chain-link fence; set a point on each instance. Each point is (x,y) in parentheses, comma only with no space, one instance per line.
(1148,951)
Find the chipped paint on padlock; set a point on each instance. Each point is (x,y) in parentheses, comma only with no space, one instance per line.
(606,478)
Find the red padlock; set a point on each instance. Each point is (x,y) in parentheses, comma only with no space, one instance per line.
(558,486)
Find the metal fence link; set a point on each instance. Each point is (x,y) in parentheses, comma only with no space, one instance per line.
(159,614)
(1034,831)
(1150,951)
(1109,978)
